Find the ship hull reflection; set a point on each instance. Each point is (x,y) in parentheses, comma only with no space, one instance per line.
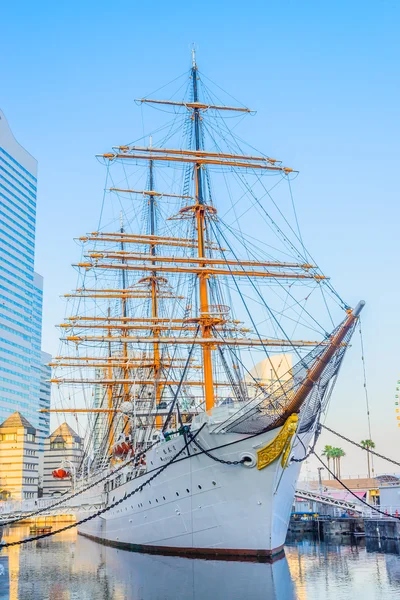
(167,577)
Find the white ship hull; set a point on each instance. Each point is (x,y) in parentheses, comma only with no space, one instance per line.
(199,506)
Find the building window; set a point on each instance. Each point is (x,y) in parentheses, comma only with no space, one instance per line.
(58,445)
(8,437)
(30,437)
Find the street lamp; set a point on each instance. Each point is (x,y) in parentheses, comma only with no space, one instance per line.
(89,460)
(320,479)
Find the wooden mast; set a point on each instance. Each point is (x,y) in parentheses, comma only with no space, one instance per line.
(154,298)
(318,367)
(125,368)
(110,399)
(204,317)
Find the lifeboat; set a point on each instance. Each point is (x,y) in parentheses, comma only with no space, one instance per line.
(126,447)
(60,474)
(122,449)
(118,451)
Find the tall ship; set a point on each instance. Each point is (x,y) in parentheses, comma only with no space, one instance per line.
(202,343)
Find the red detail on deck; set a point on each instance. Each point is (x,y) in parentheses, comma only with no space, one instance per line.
(61,474)
(122,449)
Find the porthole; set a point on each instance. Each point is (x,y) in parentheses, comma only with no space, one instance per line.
(177,493)
(188,491)
(199,486)
(149,501)
(165,452)
(214,482)
(163,497)
(156,500)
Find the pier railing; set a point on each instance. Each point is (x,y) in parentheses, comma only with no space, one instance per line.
(18,508)
(326,496)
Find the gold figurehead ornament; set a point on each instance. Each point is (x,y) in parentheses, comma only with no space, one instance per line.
(279,445)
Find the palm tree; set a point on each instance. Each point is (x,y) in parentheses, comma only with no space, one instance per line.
(338,453)
(368,444)
(327,451)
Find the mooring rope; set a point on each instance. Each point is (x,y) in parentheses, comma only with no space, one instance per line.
(371,506)
(346,439)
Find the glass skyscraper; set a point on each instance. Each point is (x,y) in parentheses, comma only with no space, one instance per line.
(44,399)
(21,289)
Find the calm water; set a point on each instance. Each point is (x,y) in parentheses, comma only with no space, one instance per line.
(70,567)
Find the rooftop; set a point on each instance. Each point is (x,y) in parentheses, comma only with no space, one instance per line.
(361,483)
(64,431)
(15,421)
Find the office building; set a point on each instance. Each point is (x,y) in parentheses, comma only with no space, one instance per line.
(63,449)
(18,459)
(20,287)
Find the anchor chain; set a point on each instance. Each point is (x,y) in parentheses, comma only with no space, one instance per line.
(220,460)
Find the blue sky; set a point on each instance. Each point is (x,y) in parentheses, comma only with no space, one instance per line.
(324,78)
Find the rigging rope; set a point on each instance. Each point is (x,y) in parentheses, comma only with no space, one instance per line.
(312,448)
(371,506)
(300,237)
(261,298)
(180,381)
(312,451)
(346,439)
(365,384)
(269,217)
(231,230)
